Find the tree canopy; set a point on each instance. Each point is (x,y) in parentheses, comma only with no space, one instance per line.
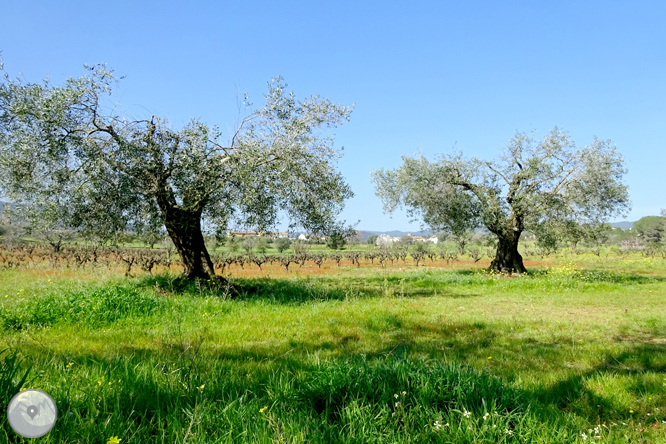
(66,153)
(651,229)
(532,183)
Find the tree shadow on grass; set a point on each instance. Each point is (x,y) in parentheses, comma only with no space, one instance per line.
(640,369)
(153,396)
(580,391)
(640,364)
(289,291)
(574,390)
(423,283)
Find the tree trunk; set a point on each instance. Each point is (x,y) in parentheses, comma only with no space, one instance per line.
(507,259)
(184,228)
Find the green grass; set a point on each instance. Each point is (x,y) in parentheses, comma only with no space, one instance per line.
(547,356)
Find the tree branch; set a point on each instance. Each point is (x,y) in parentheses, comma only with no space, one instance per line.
(489,165)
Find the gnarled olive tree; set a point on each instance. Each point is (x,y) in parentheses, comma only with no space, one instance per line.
(532,183)
(66,144)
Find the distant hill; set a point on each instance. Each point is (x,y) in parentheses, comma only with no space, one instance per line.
(623,225)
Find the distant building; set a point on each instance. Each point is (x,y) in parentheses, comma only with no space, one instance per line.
(273,234)
(384,240)
(432,240)
(268,234)
(242,233)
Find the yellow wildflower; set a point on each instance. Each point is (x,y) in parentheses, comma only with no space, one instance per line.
(263,409)
(114,440)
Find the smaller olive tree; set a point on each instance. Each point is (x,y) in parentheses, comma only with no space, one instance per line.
(248,244)
(336,241)
(651,230)
(233,244)
(531,183)
(281,244)
(404,241)
(261,245)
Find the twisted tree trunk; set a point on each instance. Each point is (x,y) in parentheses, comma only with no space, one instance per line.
(507,258)
(184,228)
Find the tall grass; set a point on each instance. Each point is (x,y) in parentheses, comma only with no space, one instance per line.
(153,400)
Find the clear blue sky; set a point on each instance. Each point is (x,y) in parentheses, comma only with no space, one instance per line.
(423,76)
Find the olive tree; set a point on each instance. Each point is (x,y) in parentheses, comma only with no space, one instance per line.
(68,142)
(530,184)
(650,229)
(43,220)
(282,244)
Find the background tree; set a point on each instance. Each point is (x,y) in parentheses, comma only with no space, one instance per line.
(221,238)
(261,245)
(299,246)
(281,244)
(122,238)
(338,236)
(248,244)
(67,142)
(233,244)
(354,237)
(336,241)
(44,221)
(151,238)
(421,247)
(404,241)
(371,240)
(462,239)
(13,232)
(530,183)
(595,236)
(651,229)
(551,235)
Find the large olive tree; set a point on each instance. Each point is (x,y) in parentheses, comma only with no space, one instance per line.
(532,183)
(66,145)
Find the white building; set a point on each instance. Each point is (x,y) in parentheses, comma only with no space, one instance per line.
(385,241)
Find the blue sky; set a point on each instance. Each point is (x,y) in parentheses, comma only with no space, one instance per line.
(426,76)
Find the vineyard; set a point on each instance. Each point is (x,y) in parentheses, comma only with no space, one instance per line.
(137,260)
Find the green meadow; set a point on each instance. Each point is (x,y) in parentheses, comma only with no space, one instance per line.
(572,352)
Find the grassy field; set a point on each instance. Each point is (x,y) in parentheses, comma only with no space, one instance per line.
(575,351)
